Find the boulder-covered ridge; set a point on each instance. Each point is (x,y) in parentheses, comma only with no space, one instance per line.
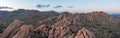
(18,30)
(63,25)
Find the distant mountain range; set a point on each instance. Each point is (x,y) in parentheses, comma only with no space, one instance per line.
(114,14)
(23,14)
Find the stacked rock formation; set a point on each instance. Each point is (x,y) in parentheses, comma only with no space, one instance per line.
(61,26)
(18,30)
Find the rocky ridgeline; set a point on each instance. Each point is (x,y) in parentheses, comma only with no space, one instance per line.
(64,25)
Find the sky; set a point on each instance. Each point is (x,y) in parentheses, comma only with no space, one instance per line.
(63,5)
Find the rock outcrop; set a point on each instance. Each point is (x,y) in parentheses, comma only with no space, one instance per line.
(11,28)
(25,31)
(84,33)
(18,30)
(64,25)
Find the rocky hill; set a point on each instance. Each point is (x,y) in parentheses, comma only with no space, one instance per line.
(51,24)
(67,27)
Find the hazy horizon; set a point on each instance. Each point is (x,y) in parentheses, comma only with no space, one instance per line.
(63,5)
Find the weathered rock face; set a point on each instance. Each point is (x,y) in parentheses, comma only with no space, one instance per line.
(25,31)
(18,30)
(11,28)
(41,28)
(84,33)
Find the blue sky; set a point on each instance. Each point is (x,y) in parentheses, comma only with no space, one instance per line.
(78,5)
